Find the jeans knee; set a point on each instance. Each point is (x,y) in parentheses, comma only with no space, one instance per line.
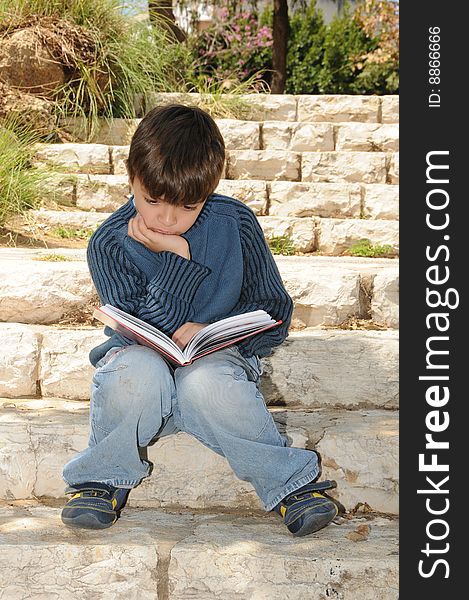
(221,399)
(129,380)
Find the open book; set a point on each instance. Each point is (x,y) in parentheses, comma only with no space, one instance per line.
(212,337)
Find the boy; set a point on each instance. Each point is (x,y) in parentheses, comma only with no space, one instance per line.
(179,257)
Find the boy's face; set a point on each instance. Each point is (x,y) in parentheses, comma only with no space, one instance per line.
(161,217)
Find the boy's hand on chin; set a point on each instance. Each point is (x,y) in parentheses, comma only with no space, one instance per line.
(185,333)
(157,242)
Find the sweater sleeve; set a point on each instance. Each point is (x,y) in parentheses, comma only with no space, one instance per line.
(164,301)
(262,288)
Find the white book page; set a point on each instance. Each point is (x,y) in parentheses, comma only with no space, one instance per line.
(146,330)
(226,328)
(209,337)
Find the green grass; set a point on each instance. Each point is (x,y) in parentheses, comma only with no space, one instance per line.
(281,245)
(68,233)
(53,258)
(366,248)
(225,102)
(22,186)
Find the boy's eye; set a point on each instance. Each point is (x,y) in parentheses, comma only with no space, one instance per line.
(191,207)
(151,201)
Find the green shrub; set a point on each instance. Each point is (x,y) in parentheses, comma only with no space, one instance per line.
(344,43)
(305,51)
(344,57)
(69,233)
(281,245)
(366,248)
(235,48)
(22,186)
(108,57)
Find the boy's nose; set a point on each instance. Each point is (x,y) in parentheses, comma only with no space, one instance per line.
(167,216)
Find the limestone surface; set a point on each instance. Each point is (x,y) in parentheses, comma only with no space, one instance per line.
(65,370)
(311,369)
(301,232)
(367,137)
(338,235)
(270,107)
(394,168)
(263,164)
(116,132)
(338,108)
(74,219)
(239,135)
(333,167)
(381,201)
(353,456)
(40,291)
(299,137)
(102,193)
(76,158)
(247,560)
(301,199)
(390,109)
(251,192)
(41,558)
(119,155)
(19,359)
(327,298)
(155,554)
(334,368)
(358,449)
(385,300)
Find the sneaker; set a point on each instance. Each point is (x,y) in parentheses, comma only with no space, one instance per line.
(93,505)
(307,510)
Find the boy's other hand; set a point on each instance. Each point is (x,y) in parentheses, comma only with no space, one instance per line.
(157,242)
(185,333)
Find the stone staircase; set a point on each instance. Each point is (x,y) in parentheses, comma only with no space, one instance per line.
(322,170)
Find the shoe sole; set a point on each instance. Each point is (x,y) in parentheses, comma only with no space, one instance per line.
(86,521)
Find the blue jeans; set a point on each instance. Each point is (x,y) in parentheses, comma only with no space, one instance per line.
(137,397)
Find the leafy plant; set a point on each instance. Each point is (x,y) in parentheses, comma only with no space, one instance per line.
(53,258)
(107,57)
(236,48)
(365,248)
(22,186)
(305,51)
(220,101)
(281,245)
(72,232)
(357,53)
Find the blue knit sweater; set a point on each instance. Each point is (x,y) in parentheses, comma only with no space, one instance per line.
(231,271)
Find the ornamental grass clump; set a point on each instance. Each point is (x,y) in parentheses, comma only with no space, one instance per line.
(22,186)
(107,58)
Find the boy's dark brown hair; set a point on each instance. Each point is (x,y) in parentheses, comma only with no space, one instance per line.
(177,153)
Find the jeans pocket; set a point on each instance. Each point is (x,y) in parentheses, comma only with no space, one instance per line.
(251,364)
(106,364)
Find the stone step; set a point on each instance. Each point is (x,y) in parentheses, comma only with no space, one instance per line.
(272,165)
(240,134)
(156,554)
(37,288)
(333,108)
(359,449)
(305,234)
(106,193)
(311,369)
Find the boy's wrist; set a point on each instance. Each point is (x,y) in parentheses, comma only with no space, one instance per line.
(180,246)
